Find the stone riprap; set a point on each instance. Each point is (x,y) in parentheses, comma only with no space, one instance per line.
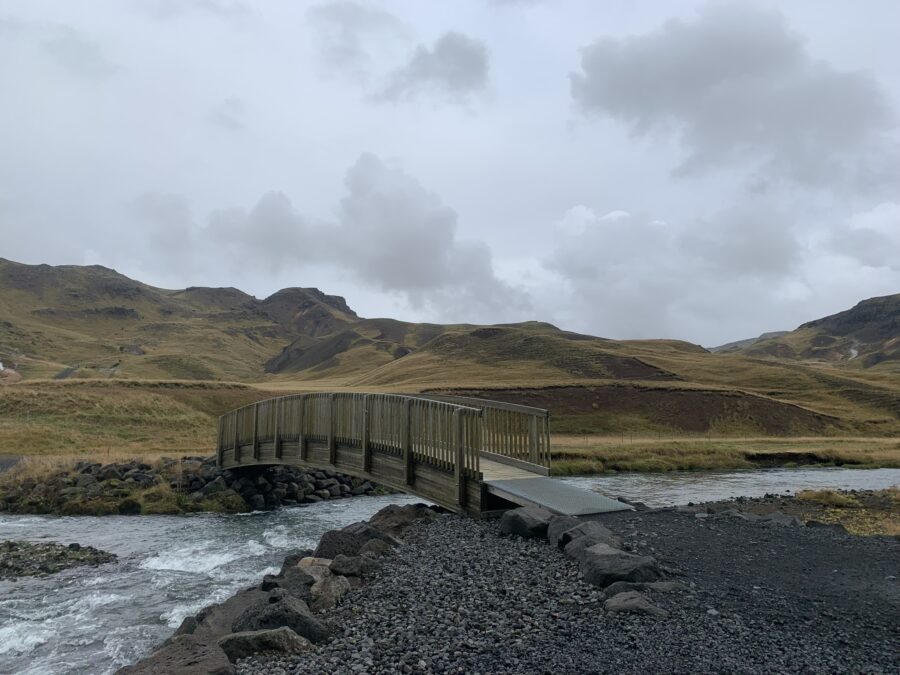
(738,597)
(287,612)
(173,486)
(23,559)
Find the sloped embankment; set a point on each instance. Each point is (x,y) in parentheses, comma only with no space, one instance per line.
(625,407)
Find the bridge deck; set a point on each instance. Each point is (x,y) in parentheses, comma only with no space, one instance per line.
(552,494)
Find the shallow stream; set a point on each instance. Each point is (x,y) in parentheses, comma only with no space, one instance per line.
(94,620)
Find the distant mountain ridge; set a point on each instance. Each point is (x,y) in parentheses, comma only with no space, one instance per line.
(73,322)
(867,335)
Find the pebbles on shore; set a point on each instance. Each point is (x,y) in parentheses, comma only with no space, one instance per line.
(457,597)
(22,558)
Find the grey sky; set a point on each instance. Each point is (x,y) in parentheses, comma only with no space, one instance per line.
(705,171)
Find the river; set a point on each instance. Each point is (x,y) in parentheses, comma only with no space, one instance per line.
(94,620)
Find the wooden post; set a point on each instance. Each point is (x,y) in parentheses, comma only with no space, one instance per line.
(301,438)
(366,450)
(277,440)
(406,429)
(460,464)
(256,431)
(533,440)
(220,442)
(547,436)
(332,442)
(237,441)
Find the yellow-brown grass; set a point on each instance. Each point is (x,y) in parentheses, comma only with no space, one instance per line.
(573,454)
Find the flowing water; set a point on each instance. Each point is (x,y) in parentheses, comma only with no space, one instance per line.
(681,487)
(94,620)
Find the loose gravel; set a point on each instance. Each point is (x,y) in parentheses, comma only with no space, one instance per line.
(764,599)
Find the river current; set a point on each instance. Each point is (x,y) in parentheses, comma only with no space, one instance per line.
(94,620)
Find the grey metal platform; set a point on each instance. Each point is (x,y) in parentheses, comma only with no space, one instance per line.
(554,495)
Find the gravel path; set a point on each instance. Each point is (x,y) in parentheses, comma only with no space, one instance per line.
(459,598)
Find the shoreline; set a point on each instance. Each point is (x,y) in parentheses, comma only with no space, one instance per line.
(166,487)
(762,585)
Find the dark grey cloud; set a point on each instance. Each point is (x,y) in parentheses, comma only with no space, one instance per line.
(228,114)
(738,87)
(871,238)
(347,34)
(628,274)
(79,55)
(402,238)
(390,233)
(456,67)
(173,9)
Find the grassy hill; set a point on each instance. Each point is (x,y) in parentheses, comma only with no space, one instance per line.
(78,336)
(866,336)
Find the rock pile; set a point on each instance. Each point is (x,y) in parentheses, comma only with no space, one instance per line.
(282,615)
(597,551)
(21,558)
(173,486)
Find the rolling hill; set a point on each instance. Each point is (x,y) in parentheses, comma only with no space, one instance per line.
(92,327)
(865,336)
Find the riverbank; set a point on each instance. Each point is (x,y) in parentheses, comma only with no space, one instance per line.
(753,597)
(166,486)
(25,559)
(673,590)
(595,454)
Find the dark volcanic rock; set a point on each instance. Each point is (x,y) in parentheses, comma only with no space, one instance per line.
(282,640)
(527,522)
(393,519)
(602,565)
(348,540)
(183,655)
(281,609)
(634,602)
(558,525)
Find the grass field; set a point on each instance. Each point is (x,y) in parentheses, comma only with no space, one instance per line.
(585,454)
(111,420)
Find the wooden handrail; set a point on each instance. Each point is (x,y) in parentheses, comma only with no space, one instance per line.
(426,443)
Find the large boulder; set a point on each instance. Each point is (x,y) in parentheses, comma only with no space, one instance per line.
(351,566)
(183,655)
(348,540)
(596,533)
(283,640)
(328,592)
(374,548)
(393,519)
(214,621)
(529,522)
(634,603)
(282,609)
(603,565)
(558,525)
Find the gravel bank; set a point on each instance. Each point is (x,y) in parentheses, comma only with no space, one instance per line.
(763,598)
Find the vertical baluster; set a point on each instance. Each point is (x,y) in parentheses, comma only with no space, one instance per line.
(459,464)
(367,451)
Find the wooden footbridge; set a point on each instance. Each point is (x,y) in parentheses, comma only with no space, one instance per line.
(466,454)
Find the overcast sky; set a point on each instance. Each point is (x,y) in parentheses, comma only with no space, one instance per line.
(694,170)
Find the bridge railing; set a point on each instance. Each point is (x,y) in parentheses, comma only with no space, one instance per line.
(446,436)
(510,430)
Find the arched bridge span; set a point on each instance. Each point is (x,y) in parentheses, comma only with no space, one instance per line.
(445,449)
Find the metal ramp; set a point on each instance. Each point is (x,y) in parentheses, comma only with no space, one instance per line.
(521,486)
